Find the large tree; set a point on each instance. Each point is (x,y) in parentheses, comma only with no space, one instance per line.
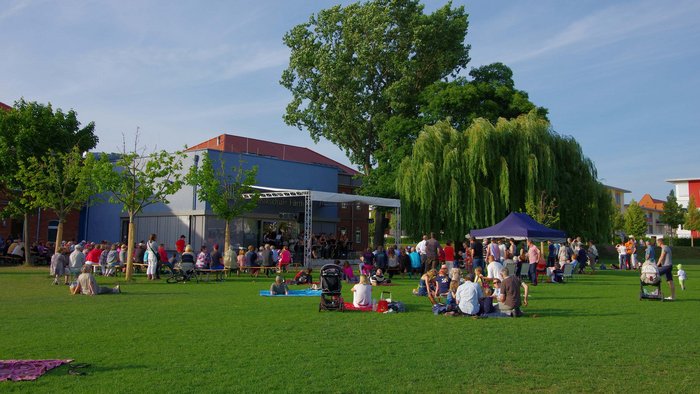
(223,188)
(353,68)
(692,219)
(635,220)
(137,180)
(673,214)
(61,182)
(459,180)
(31,129)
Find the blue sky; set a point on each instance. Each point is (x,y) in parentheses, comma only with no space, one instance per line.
(619,76)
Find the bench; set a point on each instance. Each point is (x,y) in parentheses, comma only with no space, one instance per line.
(207,271)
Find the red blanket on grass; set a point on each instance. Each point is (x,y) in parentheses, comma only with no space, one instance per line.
(350,307)
(16,370)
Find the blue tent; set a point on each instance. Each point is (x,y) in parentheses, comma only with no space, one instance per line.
(520,226)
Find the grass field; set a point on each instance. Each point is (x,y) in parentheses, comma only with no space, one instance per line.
(590,335)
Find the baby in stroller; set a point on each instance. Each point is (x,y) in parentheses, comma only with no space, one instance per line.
(650,278)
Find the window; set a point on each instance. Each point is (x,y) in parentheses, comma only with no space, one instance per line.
(358,235)
(618,199)
(53,230)
(343,205)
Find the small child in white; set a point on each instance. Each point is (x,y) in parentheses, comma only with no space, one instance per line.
(681,276)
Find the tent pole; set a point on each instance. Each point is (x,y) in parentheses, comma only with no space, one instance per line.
(308,228)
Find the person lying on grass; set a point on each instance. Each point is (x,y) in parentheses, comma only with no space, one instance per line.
(303,277)
(86,284)
(279,287)
(362,293)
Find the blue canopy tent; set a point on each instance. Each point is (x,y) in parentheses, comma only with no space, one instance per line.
(520,226)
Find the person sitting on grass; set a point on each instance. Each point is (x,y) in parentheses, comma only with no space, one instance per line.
(279,287)
(452,296)
(378,278)
(348,273)
(362,293)
(556,275)
(366,268)
(467,297)
(493,268)
(442,282)
(86,284)
(303,277)
(427,286)
(509,301)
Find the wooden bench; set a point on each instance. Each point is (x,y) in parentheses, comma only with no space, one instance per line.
(207,271)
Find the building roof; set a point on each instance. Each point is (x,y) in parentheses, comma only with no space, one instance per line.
(237,144)
(678,180)
(617,188)
(5,107)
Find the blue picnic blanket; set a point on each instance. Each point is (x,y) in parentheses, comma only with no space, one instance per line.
(293,293)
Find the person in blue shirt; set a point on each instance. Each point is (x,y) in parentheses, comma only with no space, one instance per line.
(581,259)
(443,281)
(649,252)
(416,264)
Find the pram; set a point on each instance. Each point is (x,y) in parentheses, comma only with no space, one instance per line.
(331,284)
(650,282)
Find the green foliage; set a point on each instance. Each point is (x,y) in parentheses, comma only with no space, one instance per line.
(352,68)
(617,220)
(673,214)
(223,189)
(544,210)
(635,220)
(137,181)
(61,182)
(31,130)
(692,217)
(491,95)
(460,180)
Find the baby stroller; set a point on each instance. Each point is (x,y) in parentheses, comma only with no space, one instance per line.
(650,282)
(331,284)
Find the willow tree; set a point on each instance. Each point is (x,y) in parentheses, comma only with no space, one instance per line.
(223,188)
(455,181)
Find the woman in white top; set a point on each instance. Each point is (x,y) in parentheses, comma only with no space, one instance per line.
(362,293)
(152,260)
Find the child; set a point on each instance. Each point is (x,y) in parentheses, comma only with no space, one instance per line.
(681,276)
(452,296)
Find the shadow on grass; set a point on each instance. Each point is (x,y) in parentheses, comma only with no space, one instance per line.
(544,313)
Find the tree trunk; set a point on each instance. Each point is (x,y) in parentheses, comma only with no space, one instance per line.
(130,249)
(27,249)
(692,240)
(379,227)
(227,236)
(59,236)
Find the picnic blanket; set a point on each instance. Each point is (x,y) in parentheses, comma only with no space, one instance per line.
(350,307)
(17,370)
(293,293)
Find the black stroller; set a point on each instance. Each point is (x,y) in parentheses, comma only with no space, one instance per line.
(331,284)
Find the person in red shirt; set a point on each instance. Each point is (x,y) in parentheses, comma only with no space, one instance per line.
(180,244)
(449,255)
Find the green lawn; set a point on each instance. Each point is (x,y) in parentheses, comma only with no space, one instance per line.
(591,335)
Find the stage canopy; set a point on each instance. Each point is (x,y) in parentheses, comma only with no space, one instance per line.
(520,226)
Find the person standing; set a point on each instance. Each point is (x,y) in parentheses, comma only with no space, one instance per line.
(592,255)
(449,256)
(152,260)
(180,244)
(420,248)
(477,252)
(533,257)
(551,254)
(649,252)
(59,266)
(431,251)
(666,267)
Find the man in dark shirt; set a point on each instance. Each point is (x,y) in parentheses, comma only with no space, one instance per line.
(509,301)
(477,253)
(431,251)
